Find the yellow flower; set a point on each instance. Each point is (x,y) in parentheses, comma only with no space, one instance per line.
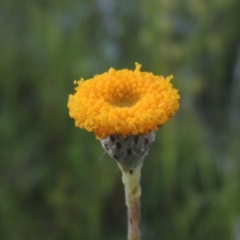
(123,102)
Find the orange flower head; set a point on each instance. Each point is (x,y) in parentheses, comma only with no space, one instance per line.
(123,102)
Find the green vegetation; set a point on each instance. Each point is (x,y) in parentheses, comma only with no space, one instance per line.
(56,183)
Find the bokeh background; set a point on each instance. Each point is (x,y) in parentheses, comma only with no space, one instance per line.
(56,183)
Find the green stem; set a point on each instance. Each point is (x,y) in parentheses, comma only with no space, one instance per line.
(131,181)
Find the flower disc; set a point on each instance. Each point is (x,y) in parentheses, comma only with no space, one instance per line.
(123,102)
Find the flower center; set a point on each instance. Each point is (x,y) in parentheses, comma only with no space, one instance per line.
(123,97)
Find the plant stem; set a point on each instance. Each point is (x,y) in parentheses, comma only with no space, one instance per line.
(131,181)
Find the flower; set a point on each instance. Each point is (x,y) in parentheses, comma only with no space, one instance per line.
(123,102)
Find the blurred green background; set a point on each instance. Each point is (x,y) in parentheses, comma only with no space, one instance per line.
(56,183)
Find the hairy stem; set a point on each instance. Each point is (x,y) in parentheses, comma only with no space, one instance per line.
(131,181)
